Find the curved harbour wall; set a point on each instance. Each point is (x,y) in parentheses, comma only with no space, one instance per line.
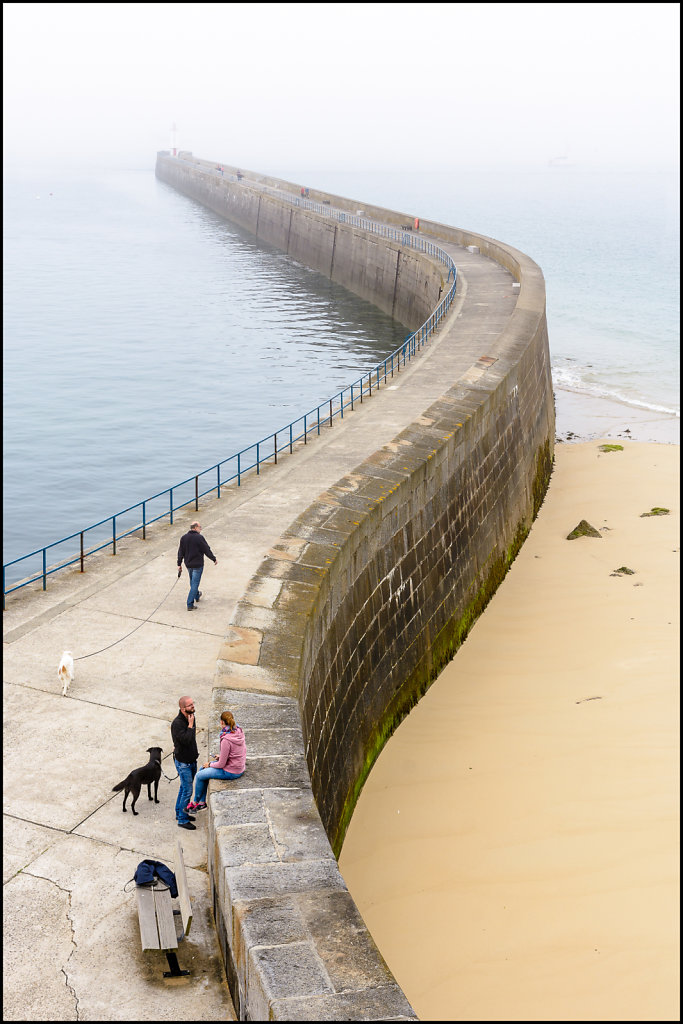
(349,618)
(403,283)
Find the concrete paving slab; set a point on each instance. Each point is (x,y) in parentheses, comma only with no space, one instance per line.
(62,784)
(23,841)
(98,971)
(138,593)
(153,831)
(135,597)
(37,944)
(145,673)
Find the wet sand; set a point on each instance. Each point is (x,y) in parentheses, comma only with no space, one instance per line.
(515,849)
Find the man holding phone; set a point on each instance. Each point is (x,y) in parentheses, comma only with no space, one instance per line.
(185,754)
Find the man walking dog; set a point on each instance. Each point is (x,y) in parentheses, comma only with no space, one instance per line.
(192,549)
(185,754)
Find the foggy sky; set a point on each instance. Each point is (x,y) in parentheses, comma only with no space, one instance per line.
(269,86)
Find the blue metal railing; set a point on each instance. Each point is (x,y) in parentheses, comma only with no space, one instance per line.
(403,235)
(137,518)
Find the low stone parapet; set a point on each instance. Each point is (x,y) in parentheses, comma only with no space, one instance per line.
(294,943)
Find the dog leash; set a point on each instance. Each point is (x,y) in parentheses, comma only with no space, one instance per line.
(92,655)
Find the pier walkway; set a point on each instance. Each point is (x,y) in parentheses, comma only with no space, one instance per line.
(71,938)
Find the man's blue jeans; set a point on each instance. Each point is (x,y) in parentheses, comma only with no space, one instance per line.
(195,576)
(186,774)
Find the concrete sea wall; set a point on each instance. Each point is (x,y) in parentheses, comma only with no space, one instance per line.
(350,617)
(404,283)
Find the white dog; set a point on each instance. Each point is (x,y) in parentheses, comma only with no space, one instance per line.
(65,672)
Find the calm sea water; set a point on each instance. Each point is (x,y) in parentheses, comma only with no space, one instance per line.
(609,246)
(146,339)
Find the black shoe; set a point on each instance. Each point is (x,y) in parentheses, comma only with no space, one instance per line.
(198,596)
(187,825)
(191,817)
(191,608)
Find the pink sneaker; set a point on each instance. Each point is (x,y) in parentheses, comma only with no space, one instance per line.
(193,807)
(201,806)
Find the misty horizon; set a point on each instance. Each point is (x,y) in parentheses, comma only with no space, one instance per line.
(288,86)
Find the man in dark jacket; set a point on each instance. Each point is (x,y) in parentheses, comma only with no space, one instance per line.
(185,754)
(192,549)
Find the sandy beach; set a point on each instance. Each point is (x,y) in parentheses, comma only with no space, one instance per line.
(515,849)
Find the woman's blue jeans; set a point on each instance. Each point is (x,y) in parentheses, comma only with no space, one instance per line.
(186,774)
(195,576)
(201,782)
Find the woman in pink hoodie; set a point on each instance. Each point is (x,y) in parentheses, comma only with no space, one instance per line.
(230,764)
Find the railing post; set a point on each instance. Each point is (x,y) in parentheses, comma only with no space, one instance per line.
(196,494)
(218,481)
(352,398)
(171,502)
(341,404)
(144,522)
(330,412)
(370,383)
(82,555)
(275,447)
(318,419)
(113,534)
(44,569)
(239,477)
(290,439)
(305,429)
(258,467)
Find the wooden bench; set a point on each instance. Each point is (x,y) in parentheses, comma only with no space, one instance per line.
(156,914)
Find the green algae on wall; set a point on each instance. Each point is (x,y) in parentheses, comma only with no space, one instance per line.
(443,648)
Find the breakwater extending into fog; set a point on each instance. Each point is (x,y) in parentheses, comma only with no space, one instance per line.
(370,590)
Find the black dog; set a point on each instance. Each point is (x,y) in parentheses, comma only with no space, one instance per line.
(148,774)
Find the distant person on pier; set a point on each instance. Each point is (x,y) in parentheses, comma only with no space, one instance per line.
(192,549)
